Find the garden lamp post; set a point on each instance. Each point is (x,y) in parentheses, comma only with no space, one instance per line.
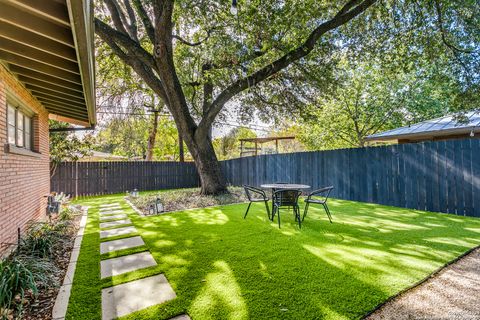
(158,206)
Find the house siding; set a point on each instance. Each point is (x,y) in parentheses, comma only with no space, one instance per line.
(24,179)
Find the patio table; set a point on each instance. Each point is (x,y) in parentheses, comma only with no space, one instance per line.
(284,186)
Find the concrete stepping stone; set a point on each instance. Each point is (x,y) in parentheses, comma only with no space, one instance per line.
(132,262)
(111,212)
(181,317)
(114,223)
(114,216)
(107,205)
(117,232)
(123,299)
(120,244)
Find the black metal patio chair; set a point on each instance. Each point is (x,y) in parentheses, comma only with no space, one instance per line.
(256,195)
(286,198)
(319,196)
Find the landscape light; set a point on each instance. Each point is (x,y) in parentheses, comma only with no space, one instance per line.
(233,8)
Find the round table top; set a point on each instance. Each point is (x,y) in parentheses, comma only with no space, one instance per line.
(284,186)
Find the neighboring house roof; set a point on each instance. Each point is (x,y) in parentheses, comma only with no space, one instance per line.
(440,127)
(266,139)
(48,45)
(98,155)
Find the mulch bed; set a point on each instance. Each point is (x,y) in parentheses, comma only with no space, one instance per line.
(42,306)
(182,199)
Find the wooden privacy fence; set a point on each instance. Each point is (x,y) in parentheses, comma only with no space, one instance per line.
(95,178)
(442,176)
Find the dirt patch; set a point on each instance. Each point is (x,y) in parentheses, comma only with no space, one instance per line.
(453,293)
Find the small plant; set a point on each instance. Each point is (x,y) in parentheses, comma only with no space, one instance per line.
(67,213)
(21,275)
(15,280)
(42,237)
(38,240)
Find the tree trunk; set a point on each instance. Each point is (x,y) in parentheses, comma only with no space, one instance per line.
(209,169)
(151,137)
(181,152)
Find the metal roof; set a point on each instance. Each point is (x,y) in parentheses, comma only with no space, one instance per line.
(266,139)
(438,127)
(48,46)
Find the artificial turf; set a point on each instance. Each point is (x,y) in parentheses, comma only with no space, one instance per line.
(224,267)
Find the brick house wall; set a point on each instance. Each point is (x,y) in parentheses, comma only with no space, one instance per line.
(24,176)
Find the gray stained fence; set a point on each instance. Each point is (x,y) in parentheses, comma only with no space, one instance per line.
(442,176)
(95,178)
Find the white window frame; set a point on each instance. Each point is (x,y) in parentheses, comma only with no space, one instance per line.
(24,141)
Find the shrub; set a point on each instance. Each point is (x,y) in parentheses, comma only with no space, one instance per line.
(67,213)
(21,275)
(42,237)
(15,279)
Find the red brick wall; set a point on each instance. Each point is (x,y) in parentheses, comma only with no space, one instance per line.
(24,180)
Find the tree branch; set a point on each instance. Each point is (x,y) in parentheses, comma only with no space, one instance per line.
(193,44)
(284,61)
(132,27)
(115,14)
(143,70)
(443,31)
(125,41)
(147,23)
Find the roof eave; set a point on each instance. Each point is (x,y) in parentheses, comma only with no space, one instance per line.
(425,135)
(81,20)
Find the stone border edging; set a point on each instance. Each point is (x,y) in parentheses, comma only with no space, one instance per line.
(138,211)
(61,302)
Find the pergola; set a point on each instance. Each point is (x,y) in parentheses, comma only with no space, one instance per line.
(259,141)
(48,46)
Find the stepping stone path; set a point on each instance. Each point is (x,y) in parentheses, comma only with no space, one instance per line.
(117,232)
(107,205)
(181,317)
(114,216)
(103,213)
(115,223)
(125,298)
(115,245)
(132,262)
(132,296)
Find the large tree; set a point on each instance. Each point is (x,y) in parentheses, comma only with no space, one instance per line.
(197,56)
(198,49)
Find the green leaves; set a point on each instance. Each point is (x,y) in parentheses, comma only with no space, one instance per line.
(67,146)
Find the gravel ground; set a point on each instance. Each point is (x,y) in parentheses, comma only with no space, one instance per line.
(453,293)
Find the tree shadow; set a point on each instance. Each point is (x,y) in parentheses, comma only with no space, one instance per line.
(224,267)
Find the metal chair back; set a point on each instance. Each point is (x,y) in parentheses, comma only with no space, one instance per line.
(250,191)
(286,197)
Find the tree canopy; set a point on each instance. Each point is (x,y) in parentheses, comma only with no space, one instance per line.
(196,56)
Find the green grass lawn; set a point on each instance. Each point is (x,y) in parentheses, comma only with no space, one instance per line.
(224,267)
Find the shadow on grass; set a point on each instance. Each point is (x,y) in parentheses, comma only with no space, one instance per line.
(224,267)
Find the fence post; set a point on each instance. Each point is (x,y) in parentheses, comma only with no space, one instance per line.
(76,178)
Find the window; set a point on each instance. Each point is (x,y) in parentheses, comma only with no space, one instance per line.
(19,128)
